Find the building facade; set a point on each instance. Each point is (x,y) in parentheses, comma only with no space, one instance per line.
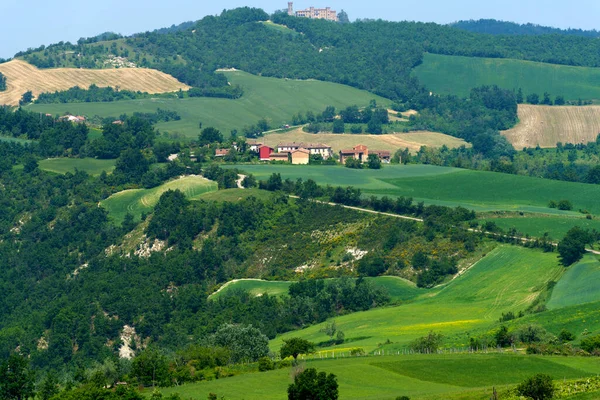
(314,13)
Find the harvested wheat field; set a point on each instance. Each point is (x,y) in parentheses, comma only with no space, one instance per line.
(22,76)
(547,125)
(392,142)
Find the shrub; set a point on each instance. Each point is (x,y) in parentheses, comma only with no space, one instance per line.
(565,205)
(357,351)
(265,364)
(591,344)
(538,387)
(566,336)
(427,344)
(312,385)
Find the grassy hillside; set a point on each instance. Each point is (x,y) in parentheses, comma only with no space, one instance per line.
(90,165)
(275,99)
(579,285)
(458,75)
(392,142)
(555,225)
(138,201)
(21,77)
(507,279)
(419,377)
(547,125)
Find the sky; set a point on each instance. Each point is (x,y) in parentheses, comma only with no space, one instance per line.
(35,22)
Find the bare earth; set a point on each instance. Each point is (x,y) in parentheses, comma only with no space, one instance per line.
(22,76)
(547,125)
(392,142)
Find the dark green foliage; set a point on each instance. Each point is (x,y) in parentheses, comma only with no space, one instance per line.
(131,165)
(565,205)
(26,98)
(151,368)
(353,163)
(538,387)
(566,336)
(427,344)
(503,337)
(533,98)
(133,133)
(210,135)
(265,364)
(572,247)
(2,82)
(374,162)
(495,27)
(49,386)
(16,379)
(249,181)
(371,265)
(296,346)
(338,126)
(245,343)
(170,216)
(91,392)
(310,385)
(92,94)
(591,344)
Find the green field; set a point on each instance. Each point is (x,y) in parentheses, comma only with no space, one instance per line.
(275,99)
(579,284)
(138,201)
(235,195)
(92,166)
(418,376)
(457,75)
(477,190)
(507,279)
(398,289)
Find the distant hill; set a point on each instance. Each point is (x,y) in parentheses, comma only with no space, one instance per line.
(495,27)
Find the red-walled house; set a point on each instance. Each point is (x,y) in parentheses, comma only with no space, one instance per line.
(264,153)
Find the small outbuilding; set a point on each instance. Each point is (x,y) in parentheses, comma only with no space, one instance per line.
(300,157)
(264,152)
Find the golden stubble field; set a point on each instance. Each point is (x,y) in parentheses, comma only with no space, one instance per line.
(392,142)
(22,76)
(547,125)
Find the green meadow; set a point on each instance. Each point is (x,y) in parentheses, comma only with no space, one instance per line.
(457,75)
(277,100)
(579,284)
(92,166)
(138,201)
(477,190)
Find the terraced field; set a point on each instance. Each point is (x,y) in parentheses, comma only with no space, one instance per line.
(138,201)
(22,76)
(277,100)
(547,125)
(457,75)
(392,142)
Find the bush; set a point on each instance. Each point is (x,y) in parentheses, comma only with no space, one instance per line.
(565,205)
(566,336)
(538,387)
(312,385)
(357,351)
(591,344)
(265,364)
(427,344)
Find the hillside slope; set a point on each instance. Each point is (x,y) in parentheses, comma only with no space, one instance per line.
(22,77)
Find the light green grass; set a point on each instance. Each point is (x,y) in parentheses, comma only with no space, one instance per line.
(235,195)
(398,289)
(275,99)
(92,166)
(507,279)
(419,377)
(457,75)
(555,226)
(138,201)
(579,284)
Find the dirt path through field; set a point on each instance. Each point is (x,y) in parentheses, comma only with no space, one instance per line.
(22,76)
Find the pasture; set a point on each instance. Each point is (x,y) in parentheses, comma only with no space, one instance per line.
(457,75)
(277,100)
(91,166)
(478,190)
(418,376)
(392,142)
(22,76)
(547,125)
(138,201)
(537,225)
(579,284)
(508,278)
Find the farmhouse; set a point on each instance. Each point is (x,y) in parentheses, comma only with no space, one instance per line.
(253,145)
(314,13)
(300,157)
(361,153)
(279,157)
(221,152)
(313,148)
(264,152)
(73,118)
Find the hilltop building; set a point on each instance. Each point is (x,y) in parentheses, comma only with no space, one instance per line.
(314,13)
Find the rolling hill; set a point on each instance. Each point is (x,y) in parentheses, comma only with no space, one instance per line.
(275,99)
(457,75)
(22,77)
(547,125)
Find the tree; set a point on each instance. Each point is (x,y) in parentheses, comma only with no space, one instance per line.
(572,247)
(210,135)
(296,346)
(352,162)
(26,98)
(559,101)
(591,344)
(343,17)
(249,181)
(132,165)
(533,98)
(503,338)
(538,387)
(16,379)
(30,164)
(427,344)
(338,126)
(330,329)
(519,96)
(374,162)
(150,367)
(310,385)
(246,343)
(565,205)
(49,386)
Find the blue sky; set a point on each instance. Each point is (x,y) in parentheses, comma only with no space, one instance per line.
(36,22)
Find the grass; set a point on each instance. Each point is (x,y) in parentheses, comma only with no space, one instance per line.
(90,165)
(536,226)
(457,75)
(275,99)
(22,76)
(138,201)
(579,284)
(506,279)
(235,195)
(418,376)
(398,289)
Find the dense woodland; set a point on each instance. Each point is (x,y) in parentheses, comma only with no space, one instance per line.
(495,27)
